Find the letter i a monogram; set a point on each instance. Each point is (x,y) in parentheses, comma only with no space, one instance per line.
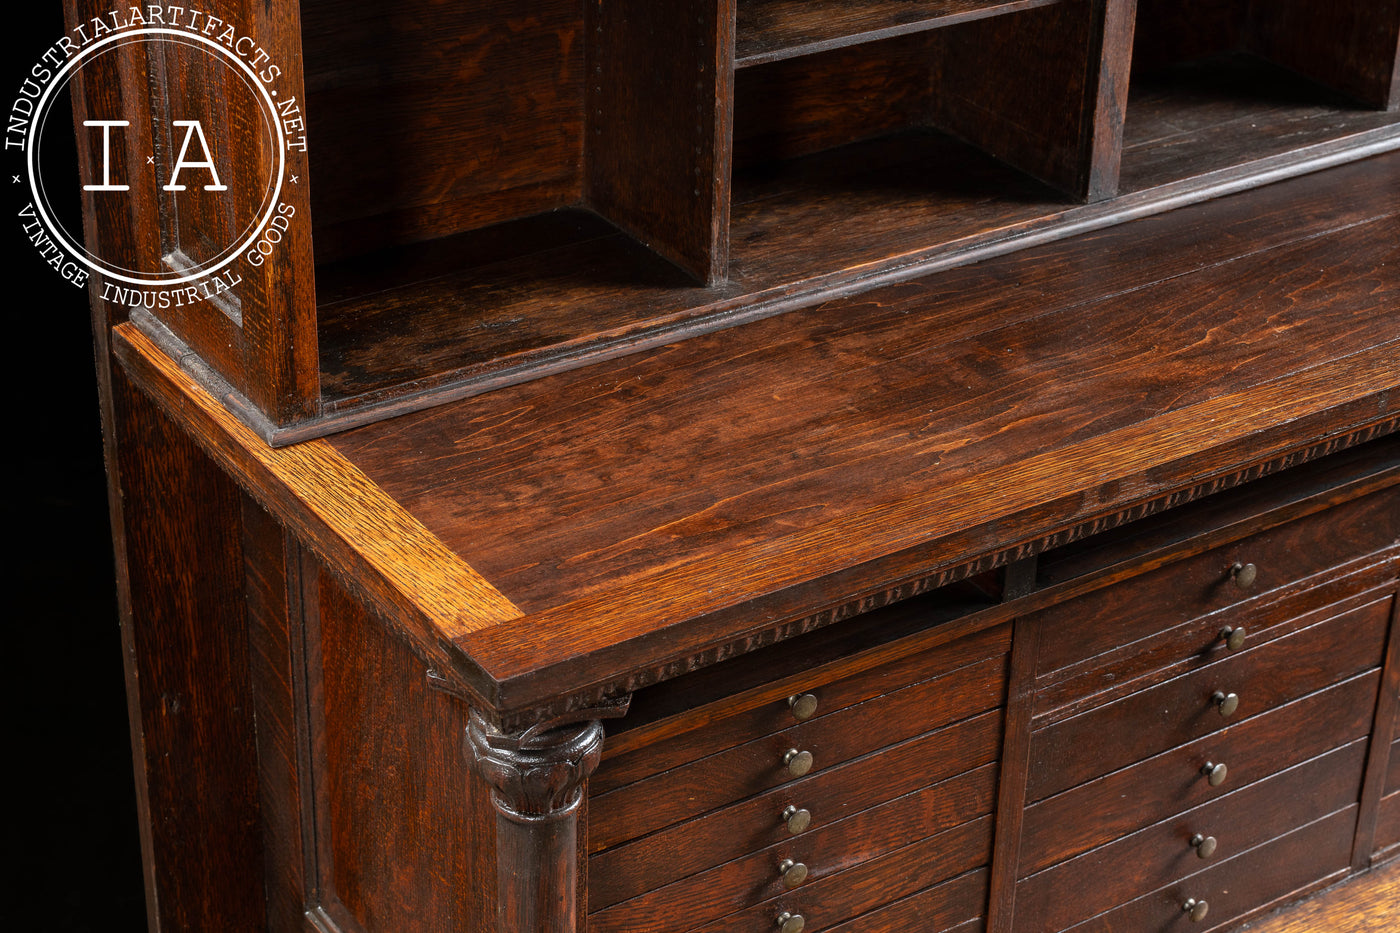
(192,129)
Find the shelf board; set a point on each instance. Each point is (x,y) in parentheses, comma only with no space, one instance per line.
(772,30)
(418,326)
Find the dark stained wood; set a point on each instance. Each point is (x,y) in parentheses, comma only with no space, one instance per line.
(272,569)
(1368,904)
(1350,46)
(412,138)
(1057,115)
(577,421)
(1303,859)
(537,789)
(769,30)
(756,765)
(939,908)
(1387,832)
(867,684)
(659,125)
(1382,772)
(1202,584)
(1179,711)
(1058,898)
(1170,783)
(398,796)
(1015,759)
(855,864)
(882,207)
(1137,665)
(755,823)
(189,676)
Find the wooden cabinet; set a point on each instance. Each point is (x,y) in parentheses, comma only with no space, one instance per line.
(726,465)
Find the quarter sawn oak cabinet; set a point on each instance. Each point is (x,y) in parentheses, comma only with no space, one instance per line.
(843,466)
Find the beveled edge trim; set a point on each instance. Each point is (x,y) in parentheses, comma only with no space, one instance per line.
(1187,433)
(364,523)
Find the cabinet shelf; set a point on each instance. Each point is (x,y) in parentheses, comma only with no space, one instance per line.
(772,30)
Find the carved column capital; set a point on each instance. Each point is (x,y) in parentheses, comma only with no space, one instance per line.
(535,776)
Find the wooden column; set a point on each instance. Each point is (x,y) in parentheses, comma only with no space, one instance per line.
(537,783)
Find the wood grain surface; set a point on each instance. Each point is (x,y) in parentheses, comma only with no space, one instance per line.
(1368,904)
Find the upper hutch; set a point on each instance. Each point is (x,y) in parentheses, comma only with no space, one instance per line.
(722,465)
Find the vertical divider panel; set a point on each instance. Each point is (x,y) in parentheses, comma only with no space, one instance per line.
(1044,90)
(1349,45)
(660,126)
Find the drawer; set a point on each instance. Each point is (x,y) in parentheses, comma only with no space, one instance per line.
(1151,858)
(954,862)
(859,842)
(1388,825)
(1121,803)
(1200,641)
(755,824)
(832,692)
(1238,886)
(1169,714)
(940,909)
(737,773)
(1084,628)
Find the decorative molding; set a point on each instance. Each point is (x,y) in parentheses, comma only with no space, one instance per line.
(537,774)
(781,630)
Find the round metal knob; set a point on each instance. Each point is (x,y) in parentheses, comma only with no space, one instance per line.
(1197,910)
(1215,773)
(797,763)
(790,923)
(797,819)
(1227,703)
(1233,636)
(1244,575)
(794,873)
(1204,845)
(803,706)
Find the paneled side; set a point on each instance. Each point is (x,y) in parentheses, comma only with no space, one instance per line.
(405,828)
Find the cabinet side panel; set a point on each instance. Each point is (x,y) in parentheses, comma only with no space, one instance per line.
(429,119)
(189,665)
(1348,45)
(406,833)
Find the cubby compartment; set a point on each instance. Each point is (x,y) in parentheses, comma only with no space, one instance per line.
(1246,86)
(498,191)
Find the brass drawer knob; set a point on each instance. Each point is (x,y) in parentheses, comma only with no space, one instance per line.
(803,706)
(797,819)
(797,763)
(790,923)
(1233,636)
(794,873)
(1196,910)
(1215,773)
(1204,845)
(1227,703)
(1244,575)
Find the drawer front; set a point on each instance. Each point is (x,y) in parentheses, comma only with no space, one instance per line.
(1237,886)
(860,842)
(1202,641)
(1154,857)
(954,862)
(830,691)
(755,824)
(1182,709)
(1388,826)
(738,773)
(1121,803)
(1084,628)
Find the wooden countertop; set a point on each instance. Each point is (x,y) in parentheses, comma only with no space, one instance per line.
(596,530)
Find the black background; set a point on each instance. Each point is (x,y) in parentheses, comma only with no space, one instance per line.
(72,839)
